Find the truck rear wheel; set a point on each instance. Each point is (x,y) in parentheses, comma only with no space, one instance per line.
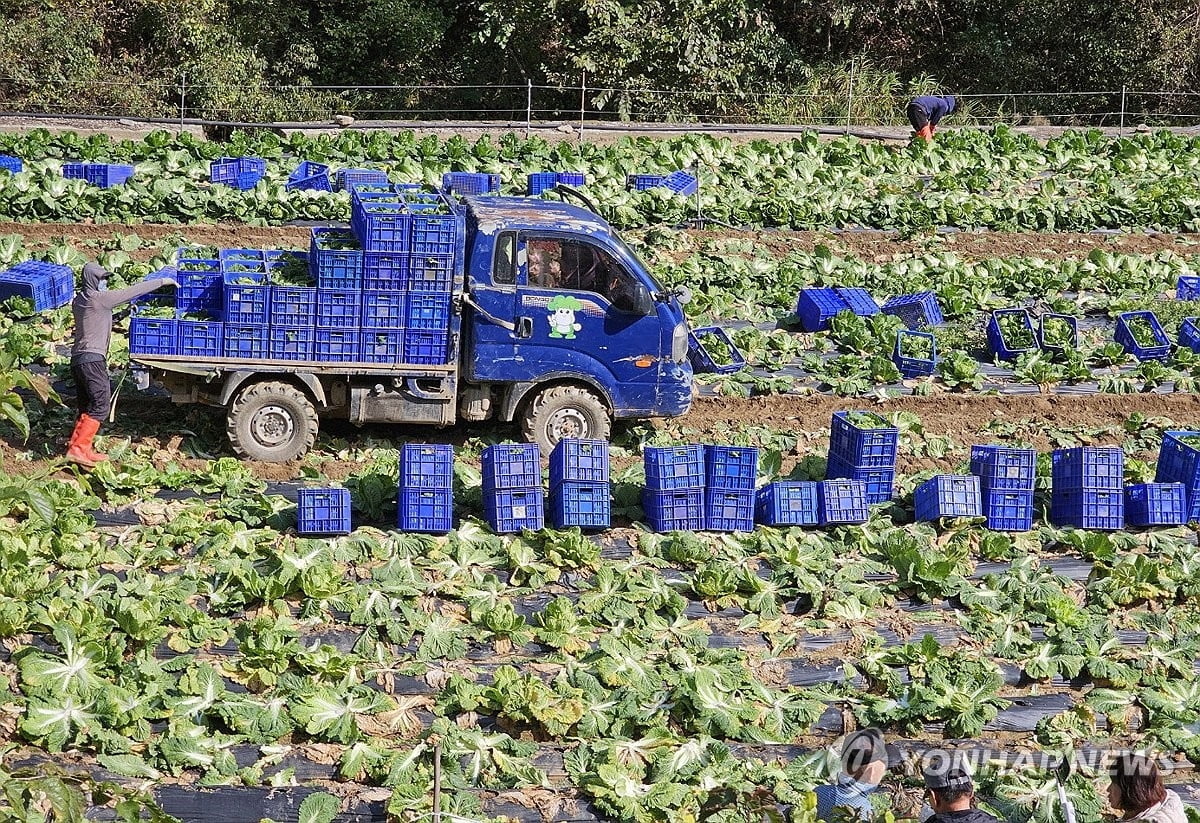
(275,422)
(565,412)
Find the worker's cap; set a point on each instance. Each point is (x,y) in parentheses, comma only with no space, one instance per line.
(862,748)
(948,774)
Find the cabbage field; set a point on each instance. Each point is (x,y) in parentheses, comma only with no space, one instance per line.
(170,646)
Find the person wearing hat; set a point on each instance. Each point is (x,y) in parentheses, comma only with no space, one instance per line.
(864,762)
(950,793)
(926,112)
(93,309)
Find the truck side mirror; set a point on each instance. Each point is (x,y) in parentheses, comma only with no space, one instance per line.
(637,301)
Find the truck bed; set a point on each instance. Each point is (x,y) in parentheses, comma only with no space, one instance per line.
(191,365)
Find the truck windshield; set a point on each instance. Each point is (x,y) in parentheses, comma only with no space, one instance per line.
(654,284)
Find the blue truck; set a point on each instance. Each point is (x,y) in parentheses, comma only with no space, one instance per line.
(546,318)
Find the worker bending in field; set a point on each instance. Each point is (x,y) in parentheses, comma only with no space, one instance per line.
(93,309)
(950,795)
(864,762)
(926,112)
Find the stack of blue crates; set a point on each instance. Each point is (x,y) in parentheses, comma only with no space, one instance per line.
(730,473)
(1088,490)
(48,285)
(425,498)
(947,495)
(1006,476)
(866,454)
(674,495)
(323,511)
(239,172)
(580,489)
(1156,504)
(512,487)
(1179,462)
(541,181)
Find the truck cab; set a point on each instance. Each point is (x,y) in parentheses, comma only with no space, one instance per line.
(555,324)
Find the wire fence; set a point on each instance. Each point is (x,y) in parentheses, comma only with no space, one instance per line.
(580,105)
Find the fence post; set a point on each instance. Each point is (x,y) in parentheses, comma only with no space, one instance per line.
(582,103)
(1121,130)
(850,97)
(182,98)
(528,106)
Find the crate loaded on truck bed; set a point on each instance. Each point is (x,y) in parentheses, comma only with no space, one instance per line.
(429,310)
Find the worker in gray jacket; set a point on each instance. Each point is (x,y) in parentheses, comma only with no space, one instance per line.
(93,309)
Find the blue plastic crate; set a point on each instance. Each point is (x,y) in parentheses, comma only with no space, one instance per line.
(1156,504)
(339,309)
(430,511)
(541,181)
(642,182)
(948,495)
(385,271)
(309,176)
(246,304)
(859,300)
(579,461)
(512,466)
(1008,511)
(1099,510)
(1189,334)
(670,468)
(291,343)
(435,225)
(201,338)
(200,297)
(701,356)
(1179,460)
(1089,467)
(1051,317)
(909,364)
(335,259)
(915,310)
(226,169)
(817,306)
(153,335)
(11,164)
(293,306)
(102,175)
(252,260)
(1002,467)
(1156,351)
(337,345)
(586,505)
(383,309)
(729,510)
(426,466)
(787,503)
(471,182)
(323,511)
(864,447)
(1004,349)
(430,273)
(48,285)
(512,510)
(381,345)
(880,482)
(674,510)
(381,226)
(571,178)
(426,348)
(348,179)
(246,341)
(427,311)
(681,182)
(188,265)
(1187,287)
(731,467)
(842,502)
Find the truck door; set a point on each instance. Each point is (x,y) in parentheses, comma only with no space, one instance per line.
(580,302)
(493,329)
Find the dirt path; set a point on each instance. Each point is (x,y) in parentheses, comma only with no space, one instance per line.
(871,246)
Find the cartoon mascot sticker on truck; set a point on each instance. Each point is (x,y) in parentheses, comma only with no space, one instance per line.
(562,316)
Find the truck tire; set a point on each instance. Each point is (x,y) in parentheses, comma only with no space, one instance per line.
(274,422)
(565,411)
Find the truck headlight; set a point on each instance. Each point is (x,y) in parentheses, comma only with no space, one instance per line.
(679,343)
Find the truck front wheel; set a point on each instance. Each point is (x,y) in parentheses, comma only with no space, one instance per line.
(565,412)
(274,422)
